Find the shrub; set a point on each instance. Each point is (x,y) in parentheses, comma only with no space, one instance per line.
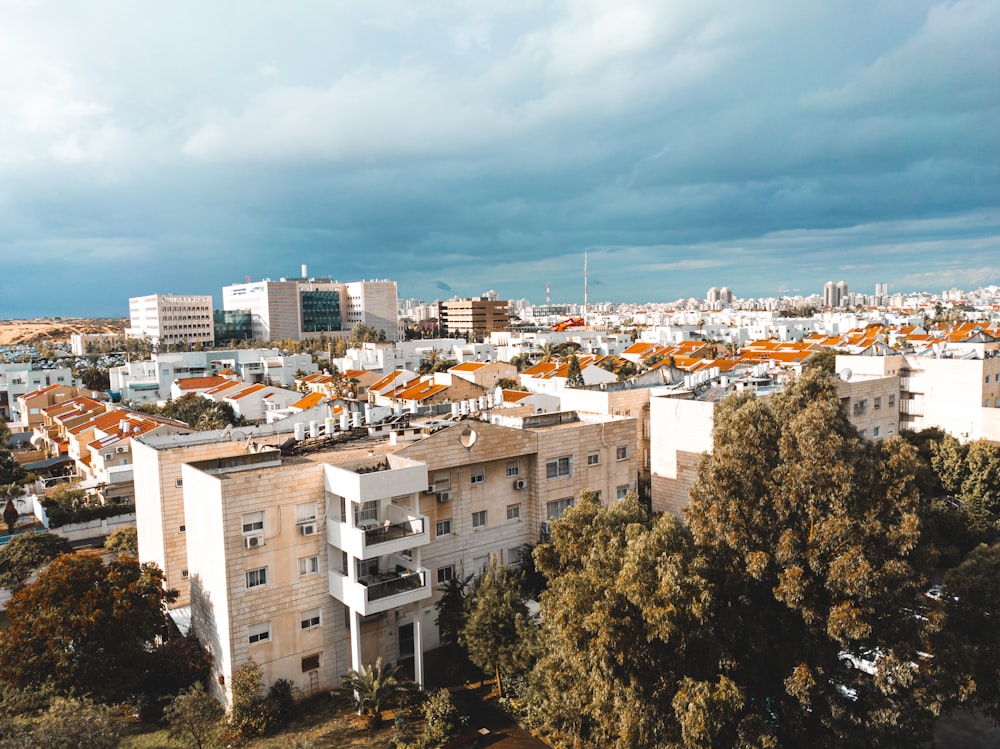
(442,719)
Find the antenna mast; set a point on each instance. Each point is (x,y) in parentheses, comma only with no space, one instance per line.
(586,322)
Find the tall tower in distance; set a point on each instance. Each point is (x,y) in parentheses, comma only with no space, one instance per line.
(835,294)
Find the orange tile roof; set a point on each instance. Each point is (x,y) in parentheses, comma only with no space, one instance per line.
(199,383)
(309,401)
(468,366)
(248,390)
(418,391)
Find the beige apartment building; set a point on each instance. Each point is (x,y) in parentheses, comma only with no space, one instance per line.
(170,319)
(326,553)
(474,318)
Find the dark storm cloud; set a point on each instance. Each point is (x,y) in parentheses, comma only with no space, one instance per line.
(457,147)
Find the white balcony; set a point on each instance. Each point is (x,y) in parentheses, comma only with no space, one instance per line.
(396,581)
(395,530)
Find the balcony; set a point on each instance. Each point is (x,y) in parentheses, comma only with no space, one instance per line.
(396,581)
(396,529)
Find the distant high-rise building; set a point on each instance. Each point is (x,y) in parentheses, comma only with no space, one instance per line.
(300,308)
(881,289)
(717,295)
(474,318)
(169,319)
(835,294)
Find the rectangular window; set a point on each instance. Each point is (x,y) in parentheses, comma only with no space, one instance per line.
(182,529)
(875,431)
(480,563)
(184,574)
(252,521)
(309,619)
(478,475)
(621,452)
(555,509)
(597,494)
(311,662)
(892,401)
(559,468)
(366,512)
(621,491)
(860,407)
(479,519)
(513,511)
(256,578)
(514,556)
(442,527)
(308,566)
(179,483)
(512,470)
(876,403)
(593,459)
(442,482)
(259,632)
(444,574)
(305,513)
(892,429)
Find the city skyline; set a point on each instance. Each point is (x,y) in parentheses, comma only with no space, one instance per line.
(455,149)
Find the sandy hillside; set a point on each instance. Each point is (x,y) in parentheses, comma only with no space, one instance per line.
(55,329)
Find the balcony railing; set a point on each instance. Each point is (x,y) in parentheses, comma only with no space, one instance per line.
(390,584)
(382,533)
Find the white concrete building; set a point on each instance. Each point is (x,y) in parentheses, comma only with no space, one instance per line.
(169,319)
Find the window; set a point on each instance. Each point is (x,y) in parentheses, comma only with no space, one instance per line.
(311,662)
(259,632)
(256,578)
(555,509)
(442,527)
(308,566)
(514,556)
(987,379)
(480,563)
(621,452)
(559,468)
(860,407)
(479,519)
(444,574)
(621,491)
(593,459)
(182,529)
(513,511)
(305,513)
(877,403)
(478,475)
(892,429)
(184,574)
(892,401)
(442,482)
(179,483)
(512,470)
(875,431)
(252,521)
(864,433)
(367,511)
(309,619)
(597,494)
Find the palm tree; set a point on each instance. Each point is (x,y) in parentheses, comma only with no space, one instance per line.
(371,689)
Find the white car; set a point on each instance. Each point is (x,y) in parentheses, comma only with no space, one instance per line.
(938,593)
(866,661)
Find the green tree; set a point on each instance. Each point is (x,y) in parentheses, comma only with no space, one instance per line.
(251,715)
(442,719)
(123,541)
(194,718)
(450,608)
(372,689)
(497,633)
(574,375)
(77,723)
(27,553)
(85,625)
(824,361)
(11,472)
(624,620)
(811,534)
(200,413)
(981,487)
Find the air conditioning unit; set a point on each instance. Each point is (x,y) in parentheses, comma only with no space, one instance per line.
(444,497)
(253,542)
(120,449)
(308,529)
(520,483)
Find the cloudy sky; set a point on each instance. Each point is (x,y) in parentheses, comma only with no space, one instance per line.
(460,146)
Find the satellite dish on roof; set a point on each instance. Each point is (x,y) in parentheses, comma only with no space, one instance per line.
(846,374)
